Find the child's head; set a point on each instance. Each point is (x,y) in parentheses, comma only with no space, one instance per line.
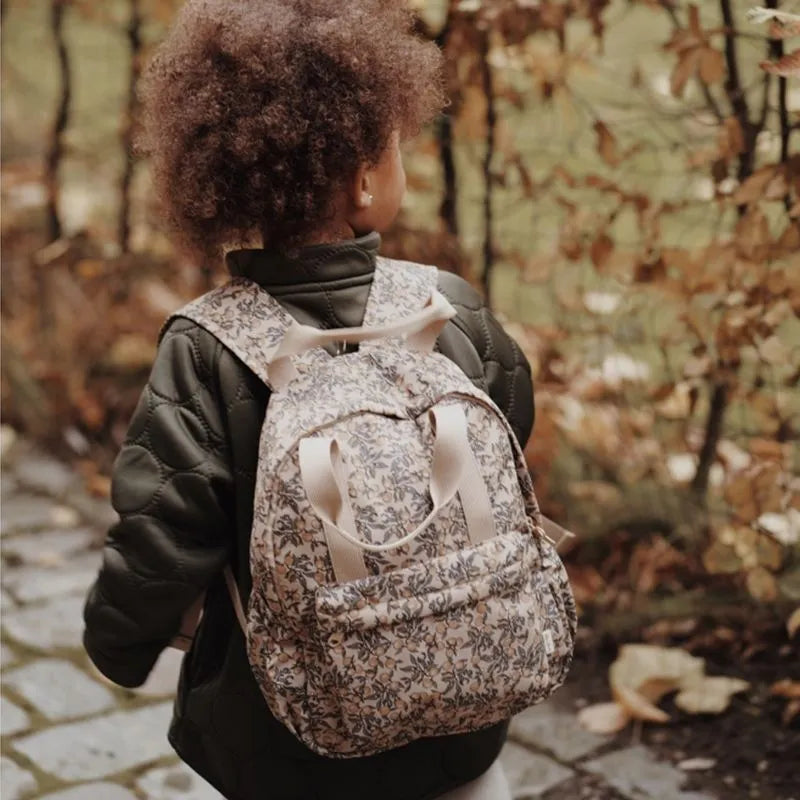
(280,120)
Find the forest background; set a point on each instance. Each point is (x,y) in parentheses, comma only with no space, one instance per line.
(621,178)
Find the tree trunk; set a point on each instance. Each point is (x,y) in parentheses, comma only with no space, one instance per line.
(720,391)
(128,126)
(55,150)
(488,206)
(713,431)
(448,210)
(776,52)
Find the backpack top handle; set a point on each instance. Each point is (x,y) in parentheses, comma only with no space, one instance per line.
(419,330)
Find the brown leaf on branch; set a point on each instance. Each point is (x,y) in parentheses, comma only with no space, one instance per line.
(784,30)
(694,21)
(606,144)
(730,139)
(773,351)
(752,236)
(600,251)
(686,67)
(786,67)
(712,65)
(721,559)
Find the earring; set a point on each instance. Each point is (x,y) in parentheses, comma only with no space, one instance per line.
(369,200)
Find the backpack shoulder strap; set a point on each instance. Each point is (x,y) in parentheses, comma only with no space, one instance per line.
(399,289)
(244,318)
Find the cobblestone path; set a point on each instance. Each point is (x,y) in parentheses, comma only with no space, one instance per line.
(68,736)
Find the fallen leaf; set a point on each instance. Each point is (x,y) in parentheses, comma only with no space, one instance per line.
(706,695)
(786,688)
(642,674)
(721,559)
(793,623)
(603,718)
(790,712)
(762,585)
(769,553)
(696,764)
(784,528)
(637,707)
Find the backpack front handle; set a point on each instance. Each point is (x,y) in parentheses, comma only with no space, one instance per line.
(420,332)
(454,471)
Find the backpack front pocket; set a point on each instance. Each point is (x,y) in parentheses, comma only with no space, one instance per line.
(443,647)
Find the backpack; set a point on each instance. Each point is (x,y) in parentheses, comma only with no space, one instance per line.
(403,583)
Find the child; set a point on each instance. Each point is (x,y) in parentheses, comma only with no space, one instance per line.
(276,123)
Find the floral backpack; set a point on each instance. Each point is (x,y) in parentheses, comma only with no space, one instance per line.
(404,584)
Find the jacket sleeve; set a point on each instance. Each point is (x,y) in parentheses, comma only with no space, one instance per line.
(171,487)
(494,362)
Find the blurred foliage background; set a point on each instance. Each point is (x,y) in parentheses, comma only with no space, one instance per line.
(622,180)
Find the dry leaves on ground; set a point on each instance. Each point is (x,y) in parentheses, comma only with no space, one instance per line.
(643,674)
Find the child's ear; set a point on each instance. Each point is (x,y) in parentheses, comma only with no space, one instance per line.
(360,188)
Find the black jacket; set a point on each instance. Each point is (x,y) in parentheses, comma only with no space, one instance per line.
(183,486)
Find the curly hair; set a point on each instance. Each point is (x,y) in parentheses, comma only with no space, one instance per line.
(256,112)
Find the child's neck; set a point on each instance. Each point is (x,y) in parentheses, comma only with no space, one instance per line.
(335,231)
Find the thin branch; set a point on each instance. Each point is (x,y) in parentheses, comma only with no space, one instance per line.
(135,43)
(448,209)
(491,122)
(56,148)
(733,87)
(776,53)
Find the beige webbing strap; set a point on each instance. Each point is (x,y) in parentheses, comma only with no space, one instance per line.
(450,423)
(420,329)
(328,487)
(325,480)
(233,590)
(554,532)
(191,618)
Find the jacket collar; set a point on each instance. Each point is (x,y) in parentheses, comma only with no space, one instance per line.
(323,263)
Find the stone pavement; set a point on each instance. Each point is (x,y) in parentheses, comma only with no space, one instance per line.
(66,735)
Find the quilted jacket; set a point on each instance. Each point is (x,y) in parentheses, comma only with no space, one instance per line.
(183,486)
